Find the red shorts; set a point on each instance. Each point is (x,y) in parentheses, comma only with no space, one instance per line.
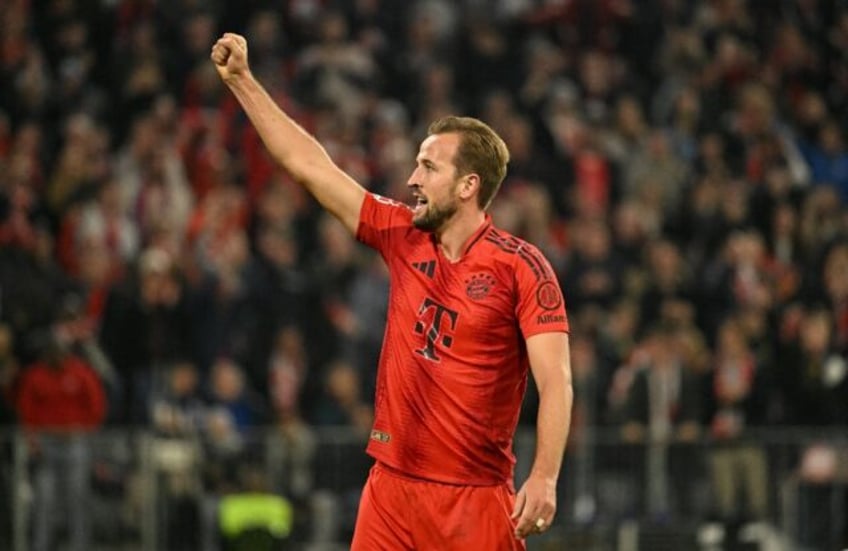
(399,513)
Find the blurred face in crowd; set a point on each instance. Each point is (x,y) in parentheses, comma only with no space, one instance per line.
(343,383)
(731,340)
(184,379)
(830,138)
(815,332)
(159,283)
(835,270)
(277,245)
(629,117)
(227,380)
(597,241)
(95,264)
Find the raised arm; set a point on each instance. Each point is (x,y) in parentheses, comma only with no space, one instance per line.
(551,368)
(290,145)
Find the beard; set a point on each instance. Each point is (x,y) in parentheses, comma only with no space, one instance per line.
(434,216)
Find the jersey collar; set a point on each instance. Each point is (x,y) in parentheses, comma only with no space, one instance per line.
(472,239)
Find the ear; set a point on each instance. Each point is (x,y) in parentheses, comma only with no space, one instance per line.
(469,186)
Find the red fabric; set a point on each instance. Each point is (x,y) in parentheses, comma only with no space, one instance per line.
(70,397)
(66,243)
(96,301)
(402,513)
(259,166)
(453,369)
(841,314)
(593,180)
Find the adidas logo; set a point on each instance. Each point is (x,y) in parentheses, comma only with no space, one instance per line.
(427,268)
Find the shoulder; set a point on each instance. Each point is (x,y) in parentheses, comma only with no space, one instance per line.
(380,214)
(507,248)
(385,206)
(385,219)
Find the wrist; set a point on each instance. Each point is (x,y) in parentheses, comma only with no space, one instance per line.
(545,475)
(237,81)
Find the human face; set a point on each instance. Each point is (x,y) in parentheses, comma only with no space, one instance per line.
(434,182)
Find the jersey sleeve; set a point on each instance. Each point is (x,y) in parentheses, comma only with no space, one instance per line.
(381,221)
(540,307)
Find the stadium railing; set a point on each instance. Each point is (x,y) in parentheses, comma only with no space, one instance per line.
(151,491)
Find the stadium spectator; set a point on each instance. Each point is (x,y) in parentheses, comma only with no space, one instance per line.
(145,326)
(740,392)
(663,409)
(60,400)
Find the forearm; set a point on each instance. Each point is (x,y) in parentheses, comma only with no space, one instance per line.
(289,144)
(297,152)
(552,426)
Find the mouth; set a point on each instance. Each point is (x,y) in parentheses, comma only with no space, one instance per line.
(420,202)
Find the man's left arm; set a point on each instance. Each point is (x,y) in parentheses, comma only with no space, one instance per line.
(535,503)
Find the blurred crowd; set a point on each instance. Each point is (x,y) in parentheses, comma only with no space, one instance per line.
(683,165)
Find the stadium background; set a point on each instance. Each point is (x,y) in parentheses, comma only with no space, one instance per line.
(683,165)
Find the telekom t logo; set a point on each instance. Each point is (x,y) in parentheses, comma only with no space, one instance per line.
(436,323)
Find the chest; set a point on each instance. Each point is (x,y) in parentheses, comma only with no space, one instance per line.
(460,306)
(56,387)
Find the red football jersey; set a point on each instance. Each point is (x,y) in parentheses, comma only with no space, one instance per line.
(453,368)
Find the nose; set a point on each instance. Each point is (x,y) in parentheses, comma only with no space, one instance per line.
(413,179)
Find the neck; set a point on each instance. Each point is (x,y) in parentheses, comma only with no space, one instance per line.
(454,235)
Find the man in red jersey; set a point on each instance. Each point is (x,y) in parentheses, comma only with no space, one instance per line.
(471,310)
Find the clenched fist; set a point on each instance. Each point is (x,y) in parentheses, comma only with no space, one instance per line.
(230,57)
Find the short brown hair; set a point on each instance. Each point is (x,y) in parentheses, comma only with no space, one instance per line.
(481,151)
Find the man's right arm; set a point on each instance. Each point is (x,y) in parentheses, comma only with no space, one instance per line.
(289,144)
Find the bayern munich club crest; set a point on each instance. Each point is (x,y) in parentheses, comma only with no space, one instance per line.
(479,285)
